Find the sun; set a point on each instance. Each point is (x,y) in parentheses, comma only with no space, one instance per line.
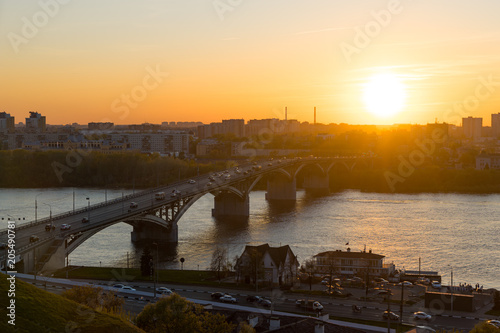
(384,94)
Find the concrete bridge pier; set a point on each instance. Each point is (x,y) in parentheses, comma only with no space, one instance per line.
(316,184)
(282,189)
(230,205)
(153,232)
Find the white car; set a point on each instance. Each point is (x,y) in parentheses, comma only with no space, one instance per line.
(65,226)
(164,291)
(228,299)
(421,315)
(192,181)
(128,288)
(436,284)
(133,205)
(405,283)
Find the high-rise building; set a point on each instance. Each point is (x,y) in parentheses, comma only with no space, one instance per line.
(35,123)
(6,123)
(495,125)
(472,127)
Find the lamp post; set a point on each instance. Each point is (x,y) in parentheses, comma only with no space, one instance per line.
(50,212)
(88,208)
(155,278)
(36,206)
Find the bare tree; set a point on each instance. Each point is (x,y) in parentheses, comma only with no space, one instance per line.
(220,263)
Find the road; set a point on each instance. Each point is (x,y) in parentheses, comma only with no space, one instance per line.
(281,302)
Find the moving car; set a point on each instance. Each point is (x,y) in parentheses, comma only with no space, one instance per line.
(421,315)
(128,288)
(217,295)
(164,291)
(85,220)
(133,205)
(391,315)
(309,304)
(65,226)
(119,286)
(494,322)
(264,302)
(192,181)
(252,298)
(160,196)
(34,238)
(228,299)
(49,227)
(405,283)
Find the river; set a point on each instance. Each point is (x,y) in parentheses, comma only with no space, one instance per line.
(447,231)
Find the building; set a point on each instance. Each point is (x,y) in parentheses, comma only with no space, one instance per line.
(487,161)
(352,263)
(228,126)
(495,125)
(275,265)
(164,142)
(100,126)
(35,123)
(472,127)
(7,123)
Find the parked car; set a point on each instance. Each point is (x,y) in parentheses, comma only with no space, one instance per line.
(217,295)
(228,299)
(34,238)
(421,315)
(405,283)
(391,315)
(436,284)
(65,226)
(164,291)
(85,220)
(252,298)
(133,205)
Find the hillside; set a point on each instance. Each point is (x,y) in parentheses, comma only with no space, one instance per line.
(40,311)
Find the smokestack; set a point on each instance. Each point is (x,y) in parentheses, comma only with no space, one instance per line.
(285,113)
(314,115)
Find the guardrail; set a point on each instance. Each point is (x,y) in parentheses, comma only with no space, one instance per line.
(145,192)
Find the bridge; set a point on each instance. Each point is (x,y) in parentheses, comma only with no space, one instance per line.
(44,245)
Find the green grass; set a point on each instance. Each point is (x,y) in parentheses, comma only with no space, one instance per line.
(40,311)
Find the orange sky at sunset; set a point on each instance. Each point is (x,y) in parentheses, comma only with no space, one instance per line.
(247,59)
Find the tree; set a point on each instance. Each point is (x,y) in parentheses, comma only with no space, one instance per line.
(95,298)
(177,315)
(146,259)
(219,263)
(485,327)
(310,268)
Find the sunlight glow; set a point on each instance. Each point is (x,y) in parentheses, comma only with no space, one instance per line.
(384,94)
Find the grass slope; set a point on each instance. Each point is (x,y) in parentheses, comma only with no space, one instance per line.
(40,311)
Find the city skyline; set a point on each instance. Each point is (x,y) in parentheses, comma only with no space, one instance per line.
(137,63)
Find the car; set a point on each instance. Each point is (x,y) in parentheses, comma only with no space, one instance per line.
(405,283)
(217,295)
(436,284)
(228,299)
(133,205)
(252,298)
(164,291)
(119,286)
(384,292)
(85,220)
(192,181)
(264,302)
(421,315)
(269,164)
(49,227)
(65,226)
(390,315)
(209,184)
(34,238)
(128,288)
(325,281)
(494,322)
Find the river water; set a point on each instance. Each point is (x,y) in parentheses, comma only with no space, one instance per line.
(447,231)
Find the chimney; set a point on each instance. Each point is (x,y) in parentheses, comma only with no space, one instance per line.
(274,323)
(314,115)
(319,328)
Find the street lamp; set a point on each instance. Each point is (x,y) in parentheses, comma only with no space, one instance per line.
(156,269)
(88,209)
(50,210)
(36,206)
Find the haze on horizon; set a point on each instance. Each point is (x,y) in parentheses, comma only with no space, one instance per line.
(249,59)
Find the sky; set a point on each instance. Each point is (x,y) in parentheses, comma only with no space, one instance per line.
(151,61)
